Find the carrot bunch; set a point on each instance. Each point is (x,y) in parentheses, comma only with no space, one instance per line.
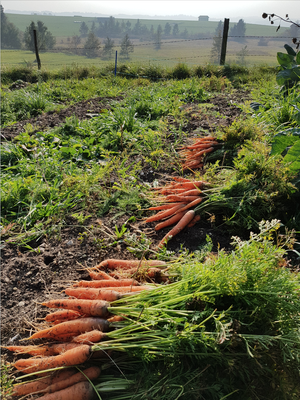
(179,197)
(82,319)
(194,154)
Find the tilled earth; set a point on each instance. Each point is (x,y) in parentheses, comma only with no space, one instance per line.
(30,277)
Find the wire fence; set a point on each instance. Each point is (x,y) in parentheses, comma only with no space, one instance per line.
(243,50)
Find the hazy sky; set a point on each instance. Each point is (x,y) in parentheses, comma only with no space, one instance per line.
(216,9)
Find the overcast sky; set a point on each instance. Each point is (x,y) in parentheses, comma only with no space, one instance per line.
(215,9)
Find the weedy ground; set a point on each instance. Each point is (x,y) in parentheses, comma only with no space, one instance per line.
(81,150)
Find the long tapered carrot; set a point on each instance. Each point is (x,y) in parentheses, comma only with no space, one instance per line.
(63,315)
(92,308)
(32,350)
(97,274)
(78,355)
(194,166)
(74,327)
(185,220)
(93,294)
(187,199)
(163,206)
(115,263)
(192,204)
(194,220)
(79,391)
(170,221)
(91,337)
(107,283)
(42,384)
(165,214)
(200,153)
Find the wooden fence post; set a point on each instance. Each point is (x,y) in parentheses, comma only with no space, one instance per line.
(116,60)
(36,49)
(224,41)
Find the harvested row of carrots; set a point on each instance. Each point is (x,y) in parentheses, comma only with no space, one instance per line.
(81,320)
(179,197)
(193,155)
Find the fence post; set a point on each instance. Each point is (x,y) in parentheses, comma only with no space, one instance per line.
(36,49)
(116,63)
(224,41)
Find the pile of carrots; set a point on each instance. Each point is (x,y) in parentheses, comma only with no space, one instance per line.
(179,196)
(194,154)
(82,319)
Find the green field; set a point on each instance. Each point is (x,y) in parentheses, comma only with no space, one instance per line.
(190,51)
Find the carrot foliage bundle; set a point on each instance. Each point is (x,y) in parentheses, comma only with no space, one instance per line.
(179,199)
(193,155)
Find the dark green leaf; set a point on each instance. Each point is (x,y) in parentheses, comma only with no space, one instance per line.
(290,50)
(283,140)
(293,156)
(286,60)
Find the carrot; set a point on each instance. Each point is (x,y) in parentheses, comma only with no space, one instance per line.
(201,145)
(82,376)
(115,318)
(78,355)
(63,315)
(93,294)
(187,199)
(87,307)
(194,166)
(99,274)
(59,348)
(90,337)
(180,179)
(191,192)
(173,191)
(74,328)
(32,350)
(200,153)
(41,384)
(170,221)
(107,283)
(194,220)
(114,263)
(185,220)
(79,391)
(163,206)
(165,214)
(192,204)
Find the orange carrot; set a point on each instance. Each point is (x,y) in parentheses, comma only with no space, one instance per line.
(114,263)
(32,350)
(192,204)
(115,318)
(79,391)
(74,328)
(41,384)
(200,153)
(96,274)
(87,307)
(78,355)
(91,337)
(203,145)
(191,192)
(93,294)
(170,221)
(163,206)
(165,214)
(194,220)
(186,199)
(107,283)
(63,315)
(185,220)
(180,179)
(59,348)
(82,376)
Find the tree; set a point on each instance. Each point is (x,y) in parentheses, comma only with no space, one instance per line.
(92,46)
(167,29)
(157,45)
(76,40)
(215,53)
(238,31)
(10,35)
(45,39)
(83,29)
(108,48)
(175,31)
(220,28)
(126,47)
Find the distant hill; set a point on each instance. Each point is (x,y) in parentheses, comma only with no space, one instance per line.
(68,26)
